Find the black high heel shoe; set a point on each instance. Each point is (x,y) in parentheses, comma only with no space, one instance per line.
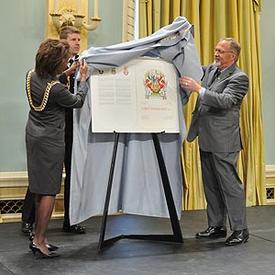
(50,247)
(40,254)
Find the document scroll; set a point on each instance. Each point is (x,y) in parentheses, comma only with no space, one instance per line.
(140,96)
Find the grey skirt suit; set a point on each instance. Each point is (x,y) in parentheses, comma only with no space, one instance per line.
(45,132)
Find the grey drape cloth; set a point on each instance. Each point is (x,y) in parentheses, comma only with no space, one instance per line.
(137,187)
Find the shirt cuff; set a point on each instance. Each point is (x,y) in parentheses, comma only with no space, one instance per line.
(202,92)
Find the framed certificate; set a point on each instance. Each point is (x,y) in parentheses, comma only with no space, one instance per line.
(139,96)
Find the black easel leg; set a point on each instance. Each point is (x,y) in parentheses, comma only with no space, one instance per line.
(108,193)
(167,191)
(176,237)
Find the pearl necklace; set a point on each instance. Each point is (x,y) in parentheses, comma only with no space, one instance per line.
(42,106)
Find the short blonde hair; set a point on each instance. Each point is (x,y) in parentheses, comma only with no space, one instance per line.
(66,30)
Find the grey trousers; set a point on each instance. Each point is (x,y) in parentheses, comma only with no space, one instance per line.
(223,190)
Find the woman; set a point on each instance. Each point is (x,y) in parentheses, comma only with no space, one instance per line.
(48,99)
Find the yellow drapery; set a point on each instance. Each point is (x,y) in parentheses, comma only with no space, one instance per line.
(213,20)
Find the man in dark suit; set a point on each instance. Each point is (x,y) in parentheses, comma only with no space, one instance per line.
(72,35)
(215,121)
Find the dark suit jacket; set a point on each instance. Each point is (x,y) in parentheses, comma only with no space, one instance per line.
(215,119)
(68,81)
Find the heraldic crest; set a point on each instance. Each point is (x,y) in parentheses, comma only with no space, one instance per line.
(155,84)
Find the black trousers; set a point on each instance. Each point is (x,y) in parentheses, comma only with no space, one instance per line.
(28,210)
(67,164)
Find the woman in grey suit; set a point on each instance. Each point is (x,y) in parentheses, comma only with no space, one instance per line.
(215,122)
(48,99)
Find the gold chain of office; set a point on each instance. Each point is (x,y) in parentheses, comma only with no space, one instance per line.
(43,104)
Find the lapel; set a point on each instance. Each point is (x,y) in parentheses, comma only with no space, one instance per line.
(227,72)
(207,83)
(224,74)
(211,77)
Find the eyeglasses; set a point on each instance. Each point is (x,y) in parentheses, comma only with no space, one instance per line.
(221,51)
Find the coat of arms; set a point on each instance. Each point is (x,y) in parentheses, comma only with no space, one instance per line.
(155,84)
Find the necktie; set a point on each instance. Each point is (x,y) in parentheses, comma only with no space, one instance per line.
(72,60)
(215,76)
(217,73)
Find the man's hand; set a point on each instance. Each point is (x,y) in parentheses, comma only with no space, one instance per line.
(189,84)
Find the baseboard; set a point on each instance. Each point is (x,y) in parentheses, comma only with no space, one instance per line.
(270,184)
(13,186)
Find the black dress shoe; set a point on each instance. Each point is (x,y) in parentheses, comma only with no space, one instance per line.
(31,236)
(26,227)
(238,237)
(75,229)
(212,232)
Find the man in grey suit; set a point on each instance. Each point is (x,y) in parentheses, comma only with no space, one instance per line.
(215,121)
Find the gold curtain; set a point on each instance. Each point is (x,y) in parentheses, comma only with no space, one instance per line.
(213,20)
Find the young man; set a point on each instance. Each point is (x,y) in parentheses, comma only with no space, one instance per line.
(72,35)
(215,121)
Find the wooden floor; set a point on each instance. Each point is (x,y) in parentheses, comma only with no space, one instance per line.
(79,252)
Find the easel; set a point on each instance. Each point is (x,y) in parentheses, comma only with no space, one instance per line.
(176,236)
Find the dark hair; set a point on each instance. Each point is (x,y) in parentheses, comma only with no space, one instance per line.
(64,31)
(50,55)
